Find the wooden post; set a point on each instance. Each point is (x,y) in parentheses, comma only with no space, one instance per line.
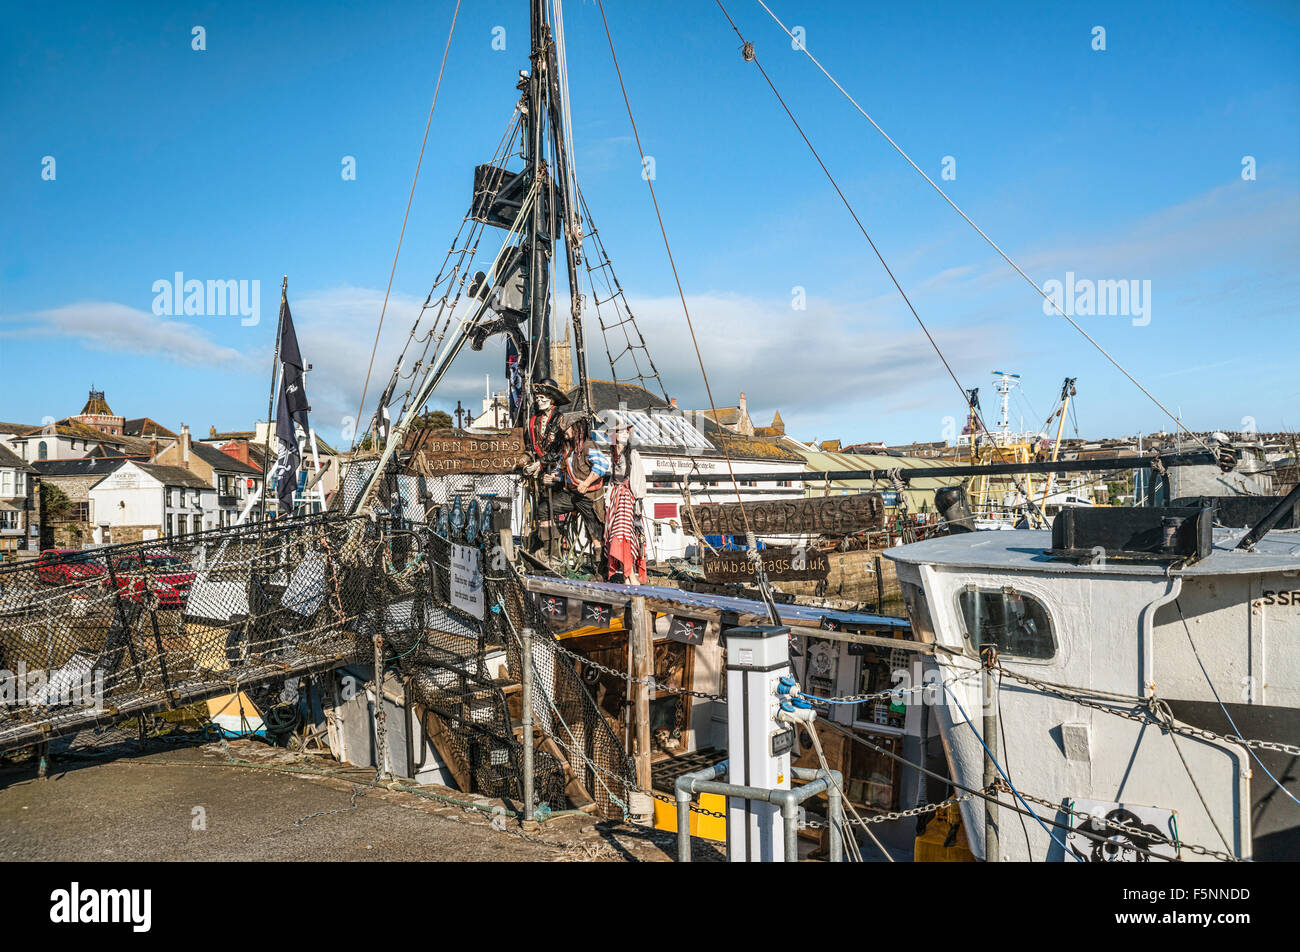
(526,683)
(880,587)
(641,636)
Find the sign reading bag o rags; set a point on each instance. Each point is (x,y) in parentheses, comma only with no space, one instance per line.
(829,515)
(447,452)
(782,563)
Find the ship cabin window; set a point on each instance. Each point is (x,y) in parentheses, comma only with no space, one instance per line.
(1017,624)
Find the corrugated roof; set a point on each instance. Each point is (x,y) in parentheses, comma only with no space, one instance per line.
(920,489)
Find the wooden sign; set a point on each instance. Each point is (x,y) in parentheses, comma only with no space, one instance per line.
(823,514)
(448,452)
(782,563)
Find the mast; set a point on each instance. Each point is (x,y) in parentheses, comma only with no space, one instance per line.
(1067,391)
(537,229)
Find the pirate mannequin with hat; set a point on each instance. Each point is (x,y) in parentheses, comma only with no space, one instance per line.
(582,472)
(545,437)
(544,431)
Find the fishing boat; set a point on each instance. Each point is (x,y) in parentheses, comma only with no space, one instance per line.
(1143,659)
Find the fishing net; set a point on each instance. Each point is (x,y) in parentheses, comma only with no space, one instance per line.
(94,641)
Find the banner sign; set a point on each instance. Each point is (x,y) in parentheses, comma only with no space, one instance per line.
(782,563)
(466,580)
(830,515)
(447,452)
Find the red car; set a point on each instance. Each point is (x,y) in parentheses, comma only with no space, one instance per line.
(68,567)
(170,577)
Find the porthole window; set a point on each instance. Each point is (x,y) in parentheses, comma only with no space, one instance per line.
(1017,624)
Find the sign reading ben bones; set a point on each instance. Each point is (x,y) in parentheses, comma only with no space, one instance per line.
(456,451)
(829,515)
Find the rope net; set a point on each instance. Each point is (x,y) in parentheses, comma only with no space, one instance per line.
(95,641)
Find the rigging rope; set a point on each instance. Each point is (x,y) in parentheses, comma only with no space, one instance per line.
(800,45)
(402,234)
(760,574)
(751,57)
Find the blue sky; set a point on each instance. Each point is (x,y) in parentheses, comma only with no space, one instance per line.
(224,164)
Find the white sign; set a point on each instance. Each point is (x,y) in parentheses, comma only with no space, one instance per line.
(466,580)
(1145,828)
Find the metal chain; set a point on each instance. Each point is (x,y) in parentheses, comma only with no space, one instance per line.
(357,790)
(1142,713)
(622,676)
(896,692)
(897,814)
(1126,828)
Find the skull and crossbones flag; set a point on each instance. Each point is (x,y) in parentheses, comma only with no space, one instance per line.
(292,409)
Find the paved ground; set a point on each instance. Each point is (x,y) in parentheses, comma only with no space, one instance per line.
(144,808)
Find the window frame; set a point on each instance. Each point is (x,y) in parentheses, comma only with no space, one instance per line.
(1002,590)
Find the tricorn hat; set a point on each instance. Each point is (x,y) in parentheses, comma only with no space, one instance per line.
(575,416)
(549,387)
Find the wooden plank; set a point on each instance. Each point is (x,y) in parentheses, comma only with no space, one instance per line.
(642,667)
(830,515)
(440,736)
(903,644)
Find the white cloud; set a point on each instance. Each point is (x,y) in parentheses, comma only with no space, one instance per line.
(106,325)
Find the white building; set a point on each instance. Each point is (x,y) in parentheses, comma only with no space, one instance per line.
(141,501)
(673,443)
(19,521)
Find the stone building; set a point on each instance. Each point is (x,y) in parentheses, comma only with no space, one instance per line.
(67,523)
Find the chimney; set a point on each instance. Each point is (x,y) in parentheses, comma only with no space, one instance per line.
(212,432)
(742,404)
(153,447)
(673,401)
(185,446)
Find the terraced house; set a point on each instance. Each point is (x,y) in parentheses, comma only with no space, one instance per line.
(19,506)
(236,482)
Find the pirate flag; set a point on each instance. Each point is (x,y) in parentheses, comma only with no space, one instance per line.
(292,409)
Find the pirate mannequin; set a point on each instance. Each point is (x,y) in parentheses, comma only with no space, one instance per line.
(625,541)
(545,435)
(578,483)
(544,432)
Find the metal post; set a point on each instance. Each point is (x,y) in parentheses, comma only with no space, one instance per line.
(835,816)
(270,400)
(381,716)
(526,680)
(790,823)
(683,826)
(991,853)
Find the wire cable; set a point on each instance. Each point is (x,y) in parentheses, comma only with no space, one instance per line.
(402,234)
(690,325)
(1007,779)
(1236,730)
(800,45)
(1002,729)
(749,55)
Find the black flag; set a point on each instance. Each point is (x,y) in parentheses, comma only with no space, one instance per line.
(291,409)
